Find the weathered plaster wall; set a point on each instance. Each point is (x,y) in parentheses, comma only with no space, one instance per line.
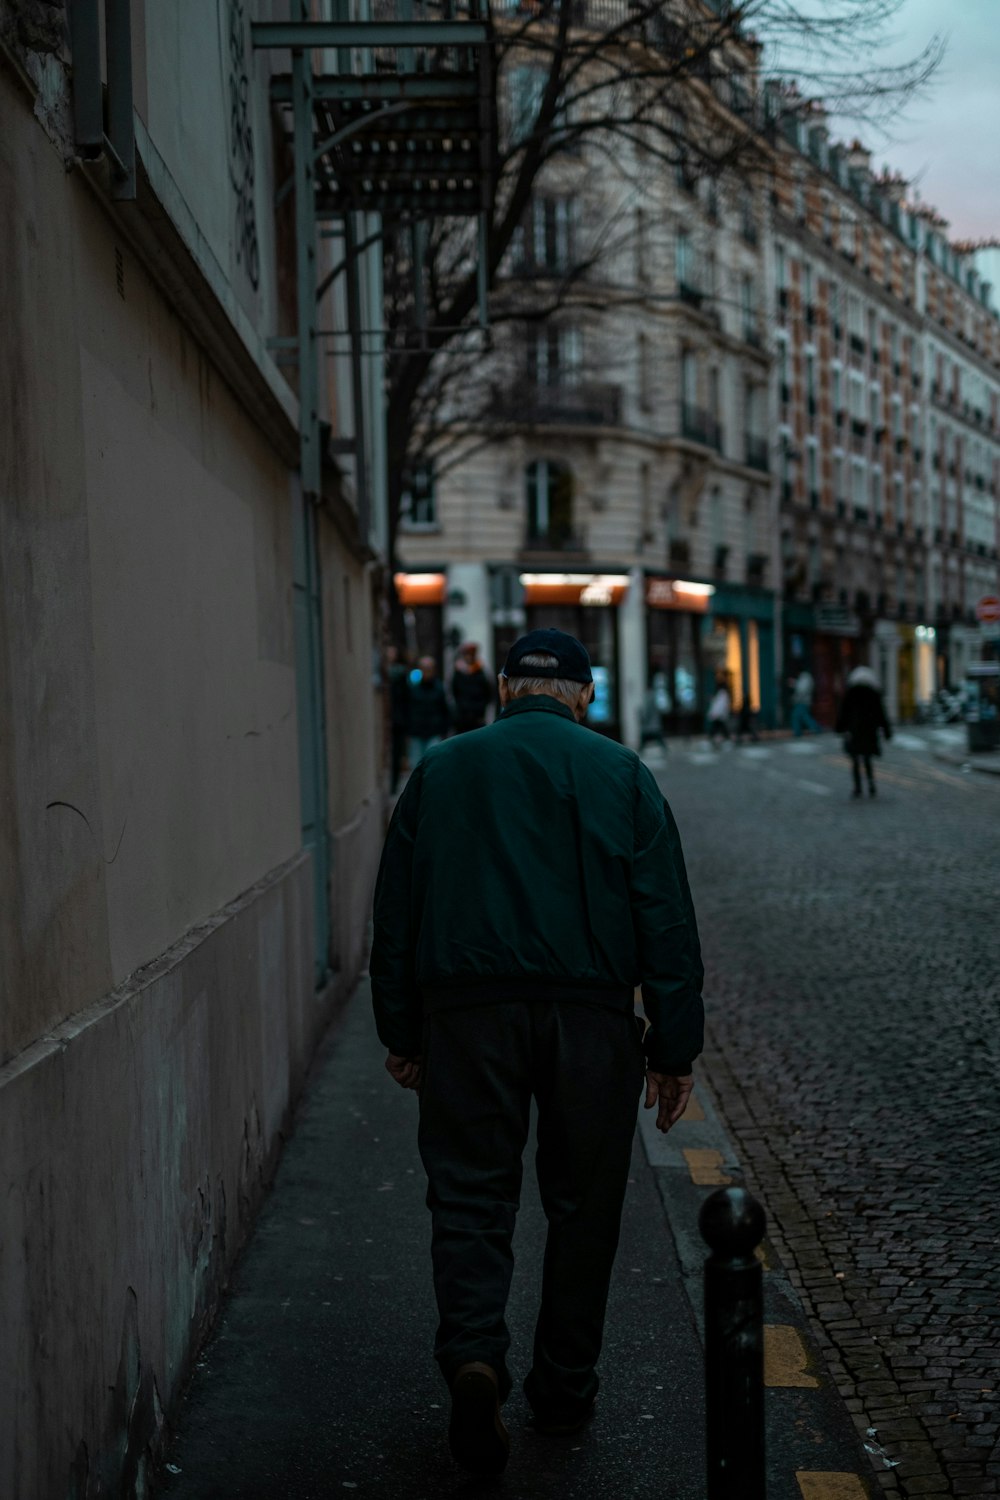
(135,1140)
(151,760)
(157,1008)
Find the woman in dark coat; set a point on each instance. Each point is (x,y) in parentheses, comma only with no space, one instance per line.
(471,689)
(862,715)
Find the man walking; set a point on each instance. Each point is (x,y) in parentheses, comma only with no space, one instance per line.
(532,876)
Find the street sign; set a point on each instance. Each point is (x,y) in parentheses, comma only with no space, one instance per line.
(988,610)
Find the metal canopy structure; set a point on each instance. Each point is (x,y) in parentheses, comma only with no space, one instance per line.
(402,129)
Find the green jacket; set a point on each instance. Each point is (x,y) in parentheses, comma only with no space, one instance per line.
(535,858)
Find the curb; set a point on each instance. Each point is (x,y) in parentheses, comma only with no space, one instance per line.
(968,762)
(814,1450)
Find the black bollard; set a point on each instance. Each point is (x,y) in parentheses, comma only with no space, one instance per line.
(732,1225)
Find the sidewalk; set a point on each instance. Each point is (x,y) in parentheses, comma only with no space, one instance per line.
(951,745)
(319,1376)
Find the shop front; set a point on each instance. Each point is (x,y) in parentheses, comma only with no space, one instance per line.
(422,598)
(584,605)
(739,647)
(676,657)
(838,648)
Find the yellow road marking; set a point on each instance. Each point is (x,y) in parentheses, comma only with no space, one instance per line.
(815,1485)
(916,771)
(785,1357)
(705,1167)
(694,1110)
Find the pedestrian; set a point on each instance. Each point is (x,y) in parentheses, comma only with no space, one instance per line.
(746,723)
(471,689)
(397,677)
(532,876)
(651,719)
(428,716)
(718,712)
(861,716)
(803,689)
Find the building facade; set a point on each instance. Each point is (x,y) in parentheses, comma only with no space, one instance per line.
(888,376)
(190,790)
(778,453)
(616,480)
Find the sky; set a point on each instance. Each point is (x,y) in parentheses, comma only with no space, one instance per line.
(948,142)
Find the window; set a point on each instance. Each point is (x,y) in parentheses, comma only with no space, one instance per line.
(838,388)
(546,241)
(682,256)
(641,267)
(419,498)
(527,87)
(807,284)
(549,496)
(553,355)
(781,267)
(689,377)
(812,468)
(645,382)
(838,477)
(748,309)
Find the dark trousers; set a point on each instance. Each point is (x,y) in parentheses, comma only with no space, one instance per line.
(481,1066)
(856,767)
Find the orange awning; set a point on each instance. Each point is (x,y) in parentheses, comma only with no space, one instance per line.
(574,588)
(678,593)
(420,588)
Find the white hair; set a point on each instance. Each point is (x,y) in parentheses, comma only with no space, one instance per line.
(555,687)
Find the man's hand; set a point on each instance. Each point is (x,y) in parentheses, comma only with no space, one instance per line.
(405,1070)
(671,1093)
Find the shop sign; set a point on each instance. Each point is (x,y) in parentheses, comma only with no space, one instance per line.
(988,610)
(420,588)
(678,593)
(833,619)
(595,589)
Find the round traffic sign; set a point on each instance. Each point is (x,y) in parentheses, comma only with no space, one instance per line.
(988,610)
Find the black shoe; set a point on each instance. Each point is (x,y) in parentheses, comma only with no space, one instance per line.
(561,1424)
(871,790)
(477,1436)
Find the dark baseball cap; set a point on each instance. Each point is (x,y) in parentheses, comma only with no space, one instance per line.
(572,661)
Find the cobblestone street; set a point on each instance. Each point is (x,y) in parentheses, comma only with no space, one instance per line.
(852,957)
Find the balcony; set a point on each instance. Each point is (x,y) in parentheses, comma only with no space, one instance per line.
(699,426)
(692,295)
(757,453)
(589,405)
(562,542)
